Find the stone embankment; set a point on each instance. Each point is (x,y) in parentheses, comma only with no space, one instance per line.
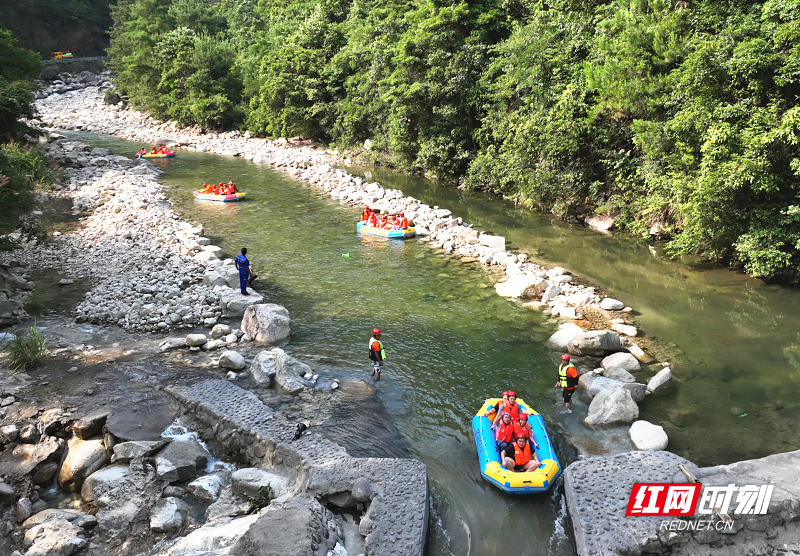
(598,491)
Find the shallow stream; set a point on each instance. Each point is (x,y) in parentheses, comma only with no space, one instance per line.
(451,341)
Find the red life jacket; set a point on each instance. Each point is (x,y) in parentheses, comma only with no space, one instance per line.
(373,220)
(404,222)
(365,215)
(523,456)
(503,432)
(513,410)
(523,431)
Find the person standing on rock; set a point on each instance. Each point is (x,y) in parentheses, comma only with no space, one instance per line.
(376,354)
(568,380)
(243,266)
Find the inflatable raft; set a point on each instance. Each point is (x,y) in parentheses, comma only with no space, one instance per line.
(514,482)
(170,154)
(386,232)
(229,198)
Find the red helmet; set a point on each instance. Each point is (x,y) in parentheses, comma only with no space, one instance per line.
(376,330)
(401,214)
(565,357)
(505,393)
(367,207)
(510,393)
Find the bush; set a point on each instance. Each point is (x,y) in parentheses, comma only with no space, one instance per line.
(28,350)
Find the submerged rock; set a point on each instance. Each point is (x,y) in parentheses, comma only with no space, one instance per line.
(612,407)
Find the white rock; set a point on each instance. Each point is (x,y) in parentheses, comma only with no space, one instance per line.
(621,359)
(647,436)
(168,515)
(196,340)
(495,243)
(523,286)
(612,407)
(232,360)
(625,329)
(566,332)
(551,293)
(610,304)
(660,379)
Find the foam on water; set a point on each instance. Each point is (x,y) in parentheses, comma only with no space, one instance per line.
(178,431)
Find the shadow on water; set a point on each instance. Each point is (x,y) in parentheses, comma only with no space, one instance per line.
(732,341)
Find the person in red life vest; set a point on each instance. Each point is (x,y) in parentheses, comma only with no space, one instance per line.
(520,457)
(376,354)
(384,223)
(373,220)
(155,150)
(164,150)
(402,221)
(214,190)
(522,428)
(508,407)
(504,432)
(142,152)
(365,214)
(231,187)
(206,188)
(493,410)
(568,380)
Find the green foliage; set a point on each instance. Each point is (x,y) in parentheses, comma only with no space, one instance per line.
(27,350)
(263,497)
(679,114)
(17,65)
(21,170)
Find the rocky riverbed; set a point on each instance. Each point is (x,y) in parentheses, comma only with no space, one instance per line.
(594,326)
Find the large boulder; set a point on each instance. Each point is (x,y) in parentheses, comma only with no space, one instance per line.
(286,370)
(84,457)
(207,487)
(610,304)
(594,342)
(647,436)
(594,384)
(54,535)
(228,504)
(618,373)
(495,243)
(267,323)
(524,286)
(26,457)
(624,360)
(233,302)
(561,338)
(123,494)
(612,407)
(214,538)
(181,460)
(225,275)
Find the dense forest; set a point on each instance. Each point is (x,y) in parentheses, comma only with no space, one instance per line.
(44,26)
(677,117)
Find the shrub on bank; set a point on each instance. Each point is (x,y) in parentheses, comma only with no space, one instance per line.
(22,169)
(28,350)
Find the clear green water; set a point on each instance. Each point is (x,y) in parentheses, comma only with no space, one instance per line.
(451,341)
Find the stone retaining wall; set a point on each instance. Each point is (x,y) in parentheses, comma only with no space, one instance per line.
(395,490)
(598,489)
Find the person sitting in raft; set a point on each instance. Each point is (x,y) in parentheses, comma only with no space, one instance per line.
(231,186)
(154,151)
(519,456)
(214,190)
(508,407)
(493,409)
(372,220)
(206,188)
(402,222)
(522,428)
(365,214)
(504,432)
(142,152)
(384,223)
(164,150)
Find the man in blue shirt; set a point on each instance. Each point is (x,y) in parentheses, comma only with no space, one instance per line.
(243,265)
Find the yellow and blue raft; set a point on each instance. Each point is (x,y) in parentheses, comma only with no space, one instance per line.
(403,233)
(513,482)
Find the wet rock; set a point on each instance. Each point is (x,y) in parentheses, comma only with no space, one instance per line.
(84,457)
(7,494)
(625,329)
(228,505)
(233,303)
(213,538)
(50,514)
(495,243)
(24,509)
(220,330)
(267,322)
(640,354)
(637,390)
(362,489)
(168,515)
(206,488)
(29,456)
(612,407)
(126,451)
(89,426)
(647,436)
(44,473)
(54,536)
(625,361)
(232,360)
(172,343)
(181,460)
(9,433)
(660,379)
(551,293)
(600,223)
(594,384)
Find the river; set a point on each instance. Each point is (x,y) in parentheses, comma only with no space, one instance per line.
(451,341)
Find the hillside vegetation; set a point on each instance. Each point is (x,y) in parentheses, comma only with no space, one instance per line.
(679,115)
